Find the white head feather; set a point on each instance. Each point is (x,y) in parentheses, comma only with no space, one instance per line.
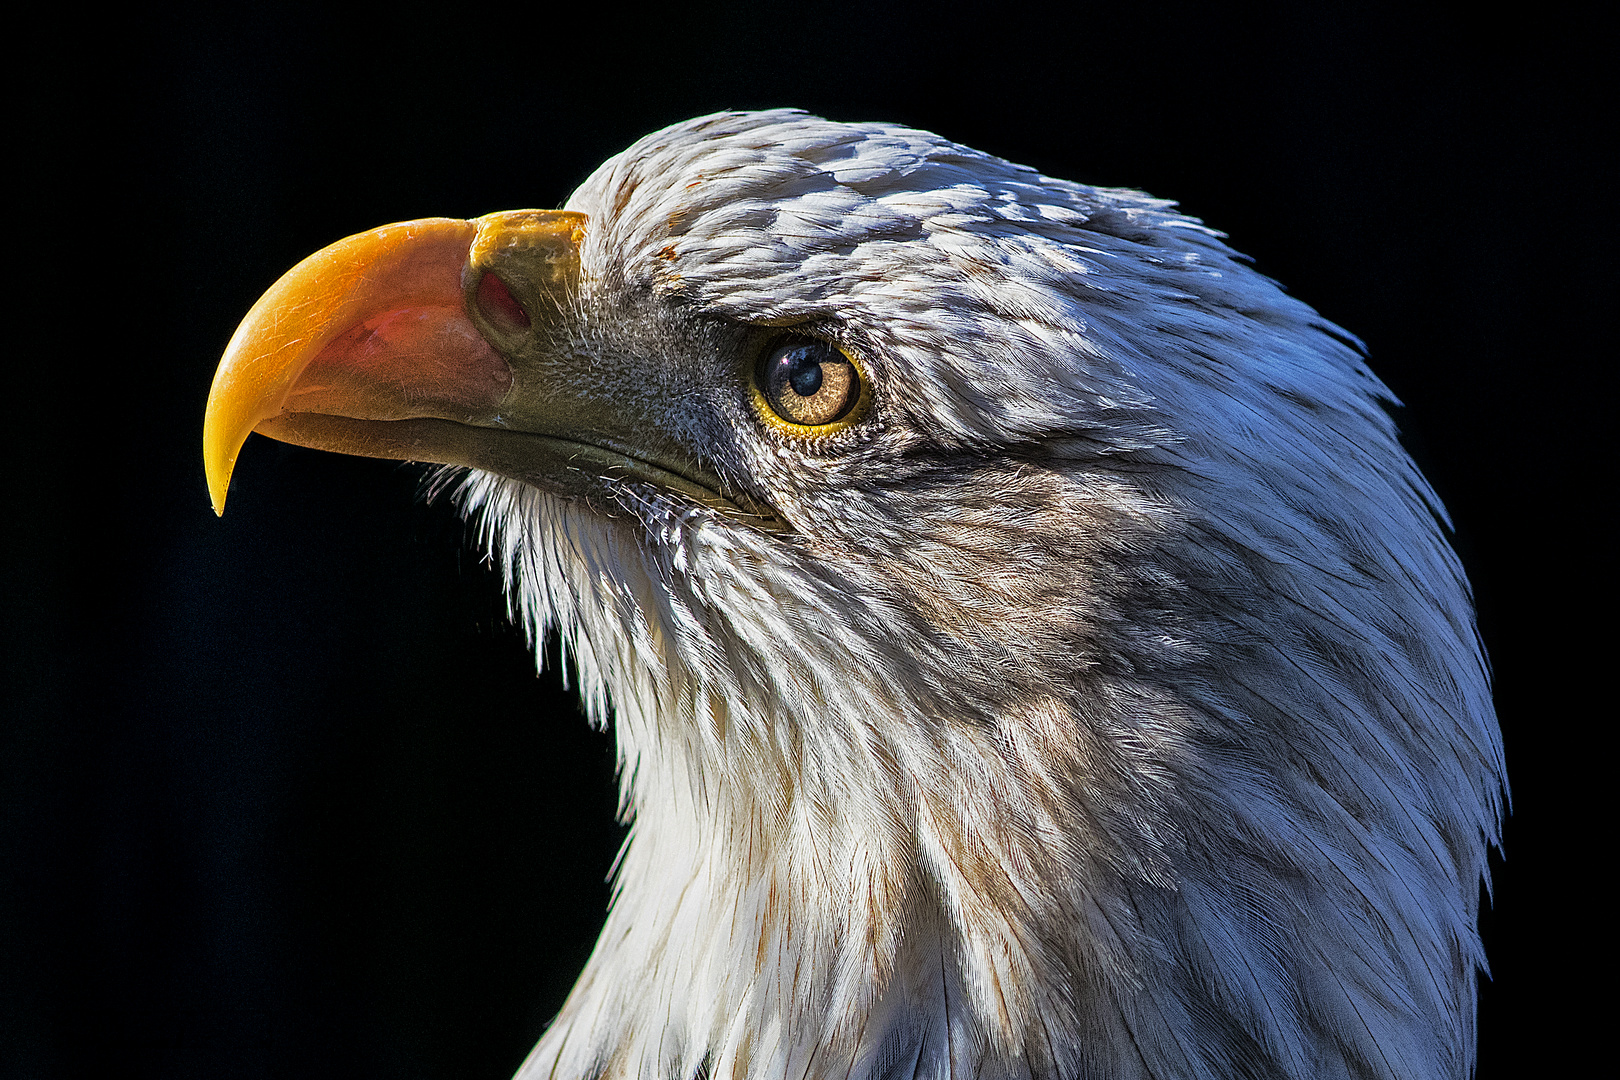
(1110,704)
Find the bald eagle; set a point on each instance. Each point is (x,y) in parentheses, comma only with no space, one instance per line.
(1031,653)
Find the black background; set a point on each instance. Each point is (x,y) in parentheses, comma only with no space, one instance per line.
(282,794)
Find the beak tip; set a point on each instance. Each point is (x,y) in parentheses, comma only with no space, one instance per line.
(227,422)
(217,467)
(216,498)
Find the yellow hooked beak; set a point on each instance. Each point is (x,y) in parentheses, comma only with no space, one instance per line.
(379,345)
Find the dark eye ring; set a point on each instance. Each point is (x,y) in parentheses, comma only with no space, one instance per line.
(808,383)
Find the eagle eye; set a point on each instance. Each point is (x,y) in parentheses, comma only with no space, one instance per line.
(808,383)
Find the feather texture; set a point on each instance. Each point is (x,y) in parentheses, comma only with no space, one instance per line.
(1110,705)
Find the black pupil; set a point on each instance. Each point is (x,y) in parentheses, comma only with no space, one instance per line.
(803,372)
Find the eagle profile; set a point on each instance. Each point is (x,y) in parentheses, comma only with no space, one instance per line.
(1031,653)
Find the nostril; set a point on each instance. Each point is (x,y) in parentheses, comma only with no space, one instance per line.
(499,304)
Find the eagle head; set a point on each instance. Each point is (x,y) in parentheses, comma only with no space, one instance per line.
(1031,652)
